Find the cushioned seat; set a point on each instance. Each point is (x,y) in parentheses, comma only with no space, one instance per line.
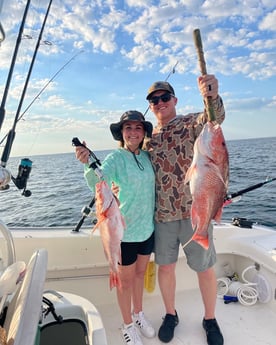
(25,307)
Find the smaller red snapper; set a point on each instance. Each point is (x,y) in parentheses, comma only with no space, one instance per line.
(111,225)
(208,176)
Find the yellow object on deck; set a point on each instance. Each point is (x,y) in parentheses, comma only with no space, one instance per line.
(150,276)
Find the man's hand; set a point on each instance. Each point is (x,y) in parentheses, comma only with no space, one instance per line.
(208,86)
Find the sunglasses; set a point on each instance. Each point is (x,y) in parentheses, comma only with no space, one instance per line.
(166,97)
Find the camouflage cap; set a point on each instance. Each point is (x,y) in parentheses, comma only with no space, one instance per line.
(158,86)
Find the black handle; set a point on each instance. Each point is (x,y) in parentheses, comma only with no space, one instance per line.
(76,142)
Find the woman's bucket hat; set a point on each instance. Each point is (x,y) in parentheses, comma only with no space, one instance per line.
(130,115)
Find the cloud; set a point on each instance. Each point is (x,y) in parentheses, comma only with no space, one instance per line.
(269,22)
(126,45)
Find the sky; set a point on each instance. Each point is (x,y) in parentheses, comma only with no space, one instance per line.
(96,60)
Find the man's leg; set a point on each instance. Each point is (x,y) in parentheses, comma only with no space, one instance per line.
(208,288)
(167,284)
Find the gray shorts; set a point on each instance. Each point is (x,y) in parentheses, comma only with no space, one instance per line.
(168,237)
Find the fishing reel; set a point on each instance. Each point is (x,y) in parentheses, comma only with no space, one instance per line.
(89,212)
(24,170)
(20,180)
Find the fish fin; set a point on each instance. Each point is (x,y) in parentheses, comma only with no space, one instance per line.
(218,216)
(114,280)
(218,173)
(227,202)
(94,228)
(189,173)
(99,221)
(194,218)
(202,240)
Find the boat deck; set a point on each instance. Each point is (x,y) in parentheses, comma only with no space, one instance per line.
(82,269)
(240,324)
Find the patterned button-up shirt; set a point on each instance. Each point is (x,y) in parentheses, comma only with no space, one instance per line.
(171,152)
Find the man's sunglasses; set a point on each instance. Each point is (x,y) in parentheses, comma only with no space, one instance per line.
(166,97)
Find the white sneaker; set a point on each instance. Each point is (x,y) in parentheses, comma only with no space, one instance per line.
(130,335)
(143,325)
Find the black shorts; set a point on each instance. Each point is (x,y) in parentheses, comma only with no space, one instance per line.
(130,250)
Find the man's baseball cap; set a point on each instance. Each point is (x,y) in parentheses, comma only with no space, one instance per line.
(158,86)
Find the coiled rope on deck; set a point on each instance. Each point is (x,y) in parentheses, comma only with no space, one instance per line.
(245,291)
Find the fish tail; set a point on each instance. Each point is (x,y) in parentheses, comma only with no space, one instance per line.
(202,240)
(185,244)
(114,280)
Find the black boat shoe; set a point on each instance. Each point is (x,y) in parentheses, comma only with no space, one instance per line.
(166,331)
(213,333)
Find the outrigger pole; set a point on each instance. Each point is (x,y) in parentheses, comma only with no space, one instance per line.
(11,134)
(44,87)
(18,41)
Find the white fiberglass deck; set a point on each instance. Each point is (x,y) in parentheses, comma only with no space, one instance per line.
(77,265)
(241,325)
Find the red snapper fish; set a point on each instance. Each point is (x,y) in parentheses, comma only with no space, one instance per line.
(111,225)
(208,176)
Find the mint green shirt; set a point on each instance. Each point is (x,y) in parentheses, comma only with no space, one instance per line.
(136,190)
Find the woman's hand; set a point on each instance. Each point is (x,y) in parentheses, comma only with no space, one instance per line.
(82,153)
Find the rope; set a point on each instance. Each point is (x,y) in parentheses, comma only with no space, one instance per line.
(246,292)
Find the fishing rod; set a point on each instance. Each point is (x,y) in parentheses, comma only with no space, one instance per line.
(231,197)
(168,76)
(44,87)
(95,165)
(203,70)
(5,175)
(11,134)
(18,41)
(25,167)
(172,71)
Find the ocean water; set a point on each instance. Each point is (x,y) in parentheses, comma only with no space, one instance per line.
(59,191)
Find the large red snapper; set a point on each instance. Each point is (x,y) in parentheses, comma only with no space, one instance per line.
(208,176)
(111,224)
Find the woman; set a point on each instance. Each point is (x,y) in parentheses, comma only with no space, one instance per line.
(129,168)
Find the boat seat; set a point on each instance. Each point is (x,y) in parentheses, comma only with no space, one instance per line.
(69,319)
(24,308)
(68,332)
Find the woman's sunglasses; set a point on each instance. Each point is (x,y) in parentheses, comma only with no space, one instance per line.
(166,97)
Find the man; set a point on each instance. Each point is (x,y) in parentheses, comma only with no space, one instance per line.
(171,151)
